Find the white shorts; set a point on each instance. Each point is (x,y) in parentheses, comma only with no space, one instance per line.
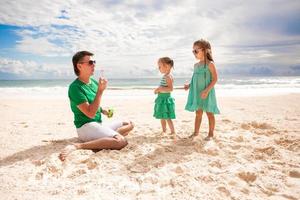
(95,130)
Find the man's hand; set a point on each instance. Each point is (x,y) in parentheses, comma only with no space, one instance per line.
(102,84)
(104,112)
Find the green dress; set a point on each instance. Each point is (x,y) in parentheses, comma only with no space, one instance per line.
(164,107)
(200,80)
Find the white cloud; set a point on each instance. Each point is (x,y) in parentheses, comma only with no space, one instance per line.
(31,69)
(128,37)
(40,46)
(16,67)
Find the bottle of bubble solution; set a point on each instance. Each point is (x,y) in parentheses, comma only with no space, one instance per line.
(110,110)
(110,113)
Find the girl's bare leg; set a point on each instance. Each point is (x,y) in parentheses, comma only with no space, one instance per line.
(163,125)
(171,126)
(211,122)
(198,120)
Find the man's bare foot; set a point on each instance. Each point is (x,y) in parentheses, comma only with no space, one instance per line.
(66,151)
(132,124)
(125,130)
(128,122)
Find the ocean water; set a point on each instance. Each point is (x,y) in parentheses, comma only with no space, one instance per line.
(142,87)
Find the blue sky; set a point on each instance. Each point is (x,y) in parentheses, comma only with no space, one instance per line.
(38,39)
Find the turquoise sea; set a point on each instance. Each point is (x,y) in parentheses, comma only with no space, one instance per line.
(226,86)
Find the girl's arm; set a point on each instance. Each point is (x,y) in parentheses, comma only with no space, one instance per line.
(169,88)
(214,76)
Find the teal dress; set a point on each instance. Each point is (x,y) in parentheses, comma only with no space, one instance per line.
(200,80)
(164,107)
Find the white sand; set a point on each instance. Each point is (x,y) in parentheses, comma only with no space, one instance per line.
(255,154)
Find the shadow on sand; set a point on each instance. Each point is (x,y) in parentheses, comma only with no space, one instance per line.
(38,152)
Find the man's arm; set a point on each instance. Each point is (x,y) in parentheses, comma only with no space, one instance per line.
(90,110)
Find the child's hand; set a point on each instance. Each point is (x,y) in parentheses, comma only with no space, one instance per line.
(157,90)
(186,86)
(204,94)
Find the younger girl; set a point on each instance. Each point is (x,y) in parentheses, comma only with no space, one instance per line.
(201,88)
(164,108)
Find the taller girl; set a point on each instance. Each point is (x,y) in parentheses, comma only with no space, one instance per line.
(202,95)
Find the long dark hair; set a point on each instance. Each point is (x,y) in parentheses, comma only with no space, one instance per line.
(205,46)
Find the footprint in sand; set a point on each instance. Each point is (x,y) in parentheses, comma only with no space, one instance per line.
(77,173)
(269,151)
(289,197)
(91,163)
(38,162)
(226,121)
(289,144)
(217,164)
(81,191)
(51,166)
(185,142)
(211,148)
(235,147)
(256,125)
(245,191)
(266,153)
(245,126)
(224,190)
(138,169)
(178,170)
(294,174)
(248,177)
(205,179)
(238,139)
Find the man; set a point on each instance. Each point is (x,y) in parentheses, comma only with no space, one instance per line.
(85,96)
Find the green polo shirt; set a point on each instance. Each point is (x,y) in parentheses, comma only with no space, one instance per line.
(79,93)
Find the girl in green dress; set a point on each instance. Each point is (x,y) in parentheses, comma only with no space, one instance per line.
(164,108)
(202,95)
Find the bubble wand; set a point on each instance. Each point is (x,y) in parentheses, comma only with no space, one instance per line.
(110,111)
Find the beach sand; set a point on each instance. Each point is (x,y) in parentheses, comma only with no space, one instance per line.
(255,154)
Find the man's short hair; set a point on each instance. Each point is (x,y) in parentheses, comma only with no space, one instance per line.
(78,58)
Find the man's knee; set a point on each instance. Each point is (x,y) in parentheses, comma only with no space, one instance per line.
(121,142)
